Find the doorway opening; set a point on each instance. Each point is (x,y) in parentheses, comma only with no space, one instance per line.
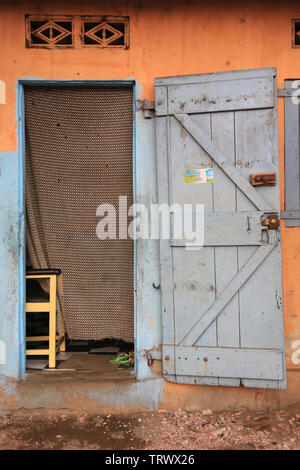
(78,156)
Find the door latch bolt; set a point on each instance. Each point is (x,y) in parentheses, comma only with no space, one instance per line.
(271,221)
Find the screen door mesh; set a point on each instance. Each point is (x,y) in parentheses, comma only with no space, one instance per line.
(78,156)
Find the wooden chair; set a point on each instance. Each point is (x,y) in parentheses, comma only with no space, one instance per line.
(44,303)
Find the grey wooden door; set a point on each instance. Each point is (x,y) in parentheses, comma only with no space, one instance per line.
(222,304)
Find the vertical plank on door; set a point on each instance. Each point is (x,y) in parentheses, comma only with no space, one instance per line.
(194,276)
(166,262)
(291,156)
(224,195)
(260,310)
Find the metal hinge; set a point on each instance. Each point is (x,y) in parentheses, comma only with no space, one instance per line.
(286,92)
(294,215)
(148,107)
(151,355)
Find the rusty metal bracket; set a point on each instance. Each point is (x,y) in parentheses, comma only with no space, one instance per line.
(150,355)
(148,107)
(263,179)
(271,221)
(149,359)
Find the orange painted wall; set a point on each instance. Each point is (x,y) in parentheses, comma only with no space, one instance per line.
(166,38)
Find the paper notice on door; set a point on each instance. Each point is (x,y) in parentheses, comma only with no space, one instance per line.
(199,175)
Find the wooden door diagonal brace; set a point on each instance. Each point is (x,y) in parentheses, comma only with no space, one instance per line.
(223,162)
(201,325)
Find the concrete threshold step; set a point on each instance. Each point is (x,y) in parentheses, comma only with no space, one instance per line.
(85,392)
(77,376)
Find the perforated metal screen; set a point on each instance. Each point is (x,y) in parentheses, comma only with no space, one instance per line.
(79,155)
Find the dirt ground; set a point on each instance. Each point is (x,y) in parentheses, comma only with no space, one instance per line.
(157,430)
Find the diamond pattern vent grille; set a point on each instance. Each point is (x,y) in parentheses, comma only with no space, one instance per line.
(77,32)
(296,33)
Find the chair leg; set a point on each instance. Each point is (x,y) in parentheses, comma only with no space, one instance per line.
(52,323)
(62,347)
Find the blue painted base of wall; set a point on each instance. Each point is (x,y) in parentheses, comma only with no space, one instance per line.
(80,394)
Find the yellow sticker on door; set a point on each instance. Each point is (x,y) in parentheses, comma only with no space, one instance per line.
(198,175)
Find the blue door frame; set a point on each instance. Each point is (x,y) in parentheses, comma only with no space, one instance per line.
(21,193)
